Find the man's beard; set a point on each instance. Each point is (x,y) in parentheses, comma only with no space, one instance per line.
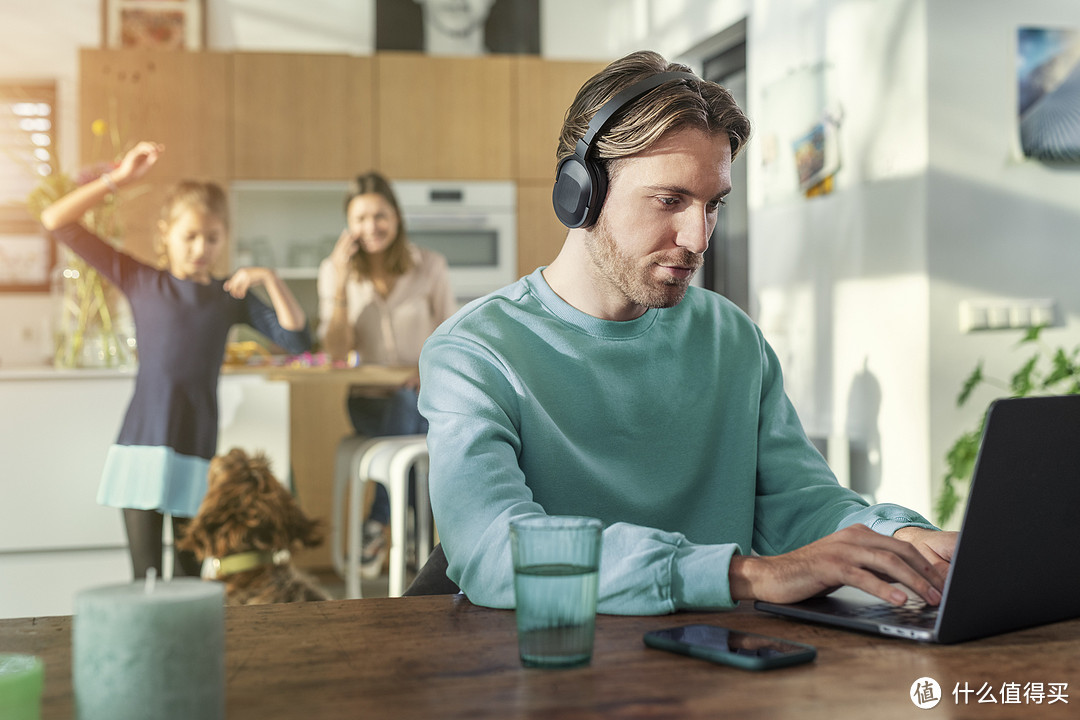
(633,277)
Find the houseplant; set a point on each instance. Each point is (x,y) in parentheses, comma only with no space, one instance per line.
(1048,371)
(91,310)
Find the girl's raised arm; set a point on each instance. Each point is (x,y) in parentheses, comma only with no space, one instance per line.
(70,208)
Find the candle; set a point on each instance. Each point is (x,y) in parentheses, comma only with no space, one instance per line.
(21,682)
(150,650)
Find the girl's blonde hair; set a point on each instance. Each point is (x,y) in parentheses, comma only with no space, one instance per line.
(206,197)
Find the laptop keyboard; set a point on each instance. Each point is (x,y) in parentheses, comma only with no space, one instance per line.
(915,612)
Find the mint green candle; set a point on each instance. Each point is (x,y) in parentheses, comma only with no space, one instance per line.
(22,678)
(150,650)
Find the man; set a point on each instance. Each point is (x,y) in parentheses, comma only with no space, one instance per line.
(604,385)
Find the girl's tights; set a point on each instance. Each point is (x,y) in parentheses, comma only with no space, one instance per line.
(145,544)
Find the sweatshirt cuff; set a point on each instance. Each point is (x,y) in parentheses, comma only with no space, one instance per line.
(699,577)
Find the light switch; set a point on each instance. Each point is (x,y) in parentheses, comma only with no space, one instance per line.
(993,314)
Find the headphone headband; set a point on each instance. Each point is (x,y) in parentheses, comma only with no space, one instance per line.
(580,183)
(604,115)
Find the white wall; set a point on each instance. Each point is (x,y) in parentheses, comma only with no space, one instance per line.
(840,282)
(860,291)
(999,226)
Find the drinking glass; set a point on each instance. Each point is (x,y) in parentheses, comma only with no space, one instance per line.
(556,574)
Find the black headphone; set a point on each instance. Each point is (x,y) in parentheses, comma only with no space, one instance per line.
(581,183)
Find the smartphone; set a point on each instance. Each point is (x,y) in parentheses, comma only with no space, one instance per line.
(748,651)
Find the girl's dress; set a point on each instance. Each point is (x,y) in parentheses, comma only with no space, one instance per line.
(161,457)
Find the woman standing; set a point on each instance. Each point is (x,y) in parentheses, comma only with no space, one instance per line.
(380,296)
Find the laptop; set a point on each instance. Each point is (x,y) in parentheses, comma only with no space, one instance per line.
(1016,563)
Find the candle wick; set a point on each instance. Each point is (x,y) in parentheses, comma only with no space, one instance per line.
(151,579)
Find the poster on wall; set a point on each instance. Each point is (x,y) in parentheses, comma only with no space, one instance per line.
(1048,71)
(800,133)
(458,27)
(154,24)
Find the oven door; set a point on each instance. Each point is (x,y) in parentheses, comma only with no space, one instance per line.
(473,224)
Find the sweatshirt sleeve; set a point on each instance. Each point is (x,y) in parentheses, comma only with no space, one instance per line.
(798,499)
(477,487)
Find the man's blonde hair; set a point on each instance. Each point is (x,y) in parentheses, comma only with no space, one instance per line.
(673,105)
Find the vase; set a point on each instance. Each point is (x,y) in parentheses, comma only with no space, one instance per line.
(93,324)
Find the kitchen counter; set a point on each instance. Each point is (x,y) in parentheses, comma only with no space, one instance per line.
(55,430)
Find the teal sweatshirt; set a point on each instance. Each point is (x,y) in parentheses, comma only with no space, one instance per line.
(673,429)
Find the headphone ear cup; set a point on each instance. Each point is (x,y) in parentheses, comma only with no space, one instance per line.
(580,189)
(572,194)
(599,192)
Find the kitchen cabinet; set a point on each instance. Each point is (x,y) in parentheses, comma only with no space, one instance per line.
(540,234)
(443,118)
(301,116)
(55,540)
(543,90)
(179,99)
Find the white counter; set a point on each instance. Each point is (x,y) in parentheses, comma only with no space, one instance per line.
(55,429)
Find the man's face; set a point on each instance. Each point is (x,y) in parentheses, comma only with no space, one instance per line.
(655,224)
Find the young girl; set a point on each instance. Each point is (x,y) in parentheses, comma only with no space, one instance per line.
(380,296)
(182,316)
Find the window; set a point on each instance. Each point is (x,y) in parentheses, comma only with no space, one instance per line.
(27,154)
(27,147)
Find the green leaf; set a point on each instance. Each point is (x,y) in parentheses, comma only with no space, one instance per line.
(973,381)
(960,458)
(1022,381)
(1061,368)
(946,504)
(1032,334)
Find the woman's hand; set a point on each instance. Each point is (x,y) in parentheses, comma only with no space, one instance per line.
(137,162)
(346,246)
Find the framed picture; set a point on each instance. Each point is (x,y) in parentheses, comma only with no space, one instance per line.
(154,24)
(26,261)
(1048,78)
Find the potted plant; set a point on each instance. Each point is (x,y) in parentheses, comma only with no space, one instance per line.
(1049,371)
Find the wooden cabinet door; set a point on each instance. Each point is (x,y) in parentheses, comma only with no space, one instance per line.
(540,234)
(543,90)
(301,116)
(179,99)
(444,118)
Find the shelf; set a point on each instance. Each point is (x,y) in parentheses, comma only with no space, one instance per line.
(306,273)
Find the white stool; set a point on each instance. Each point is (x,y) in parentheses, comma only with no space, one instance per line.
(387,460)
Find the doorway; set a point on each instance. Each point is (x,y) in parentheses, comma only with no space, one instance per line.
(727,262)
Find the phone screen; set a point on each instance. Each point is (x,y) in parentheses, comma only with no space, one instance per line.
(732,647)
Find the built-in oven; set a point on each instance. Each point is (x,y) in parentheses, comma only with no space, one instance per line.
(473,223)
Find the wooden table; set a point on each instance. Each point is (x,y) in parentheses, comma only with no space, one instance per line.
(318,420)
(442,657)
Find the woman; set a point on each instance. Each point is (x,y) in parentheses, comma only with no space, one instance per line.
(380,297)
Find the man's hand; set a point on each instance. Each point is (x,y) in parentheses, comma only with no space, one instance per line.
(935,545)
(855,556)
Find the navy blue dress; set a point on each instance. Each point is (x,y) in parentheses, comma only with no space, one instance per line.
(160,459)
